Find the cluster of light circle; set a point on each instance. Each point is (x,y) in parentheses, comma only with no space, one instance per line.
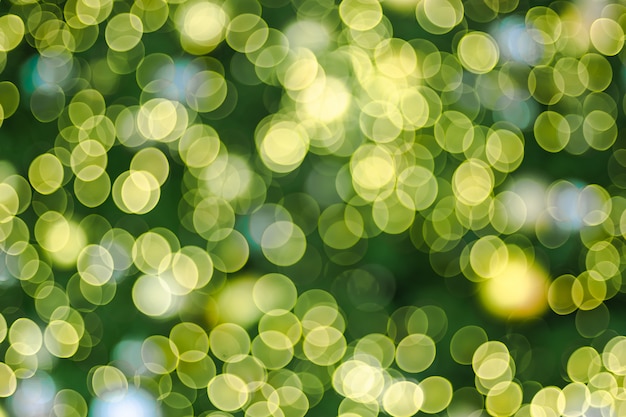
(409,149)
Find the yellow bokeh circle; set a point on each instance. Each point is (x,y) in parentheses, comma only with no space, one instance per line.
(607,36)
(228,392)
(415,353)
(360,15)
(11,32)
(202,26)
(123,32)
(403,399)
(478,52)
(46,173)
(136,192)
(8,380)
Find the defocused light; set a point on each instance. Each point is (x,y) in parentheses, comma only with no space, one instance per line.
(135,403)
(575,205)
(127,355)
(415,353)
(11,30)
(532,191)
(515,41)
(360,15)
(326,100)
(439,17)
(437,394)
(202,26)
(46,173)
(235,302)
(517,291)
(55,69)
(264,193)
(308,34)
(228,392)
(358,381)
(34,396)
(403,399)
(478,52)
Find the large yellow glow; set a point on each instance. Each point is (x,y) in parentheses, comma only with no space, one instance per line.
(235,302)
(63,239)
(518,291)
(326,100)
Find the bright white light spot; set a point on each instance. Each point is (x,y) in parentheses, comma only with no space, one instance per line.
(136,403)
(127,356)
(533,192)
(516,42)
(176,79)
(34,396)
